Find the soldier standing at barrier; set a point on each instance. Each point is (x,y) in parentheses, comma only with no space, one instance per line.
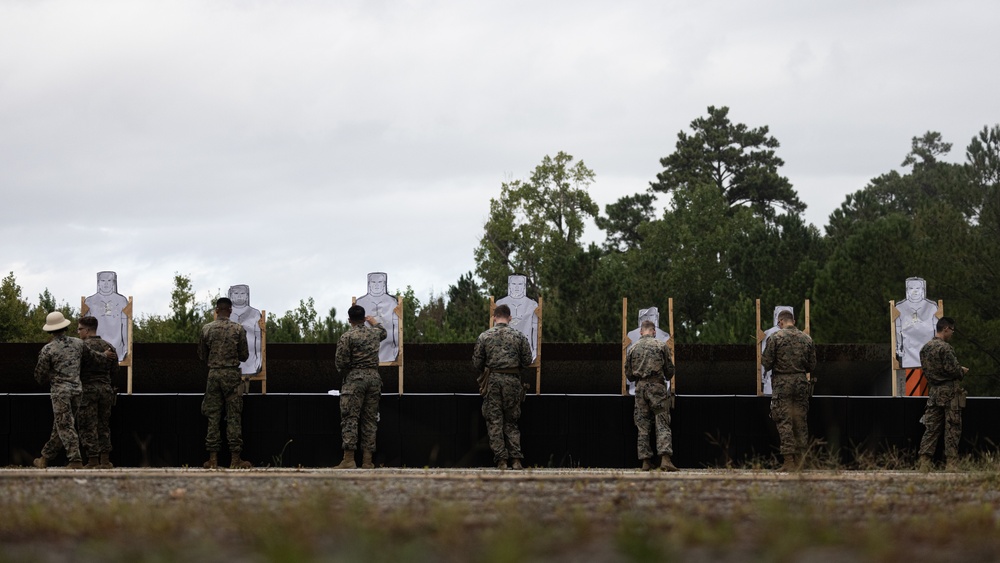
(94,418)
(504,352)
(59,367)
(649,364)
(790,354)
(223,345)
(357,359)
(945,396)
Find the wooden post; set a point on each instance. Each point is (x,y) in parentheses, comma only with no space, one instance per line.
(262,375)
(399,355)
(806,308)
(893,315)
(760,338)
(625,342)
(538,359)
(672,342)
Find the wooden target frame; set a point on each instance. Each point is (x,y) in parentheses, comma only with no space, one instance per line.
(127,362)
(626,342)
(761,336)
(398,362)
(899,372)
(537,363)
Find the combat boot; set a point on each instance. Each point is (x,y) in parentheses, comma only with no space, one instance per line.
(502,464)
(926,464)
(75,465)
(952,465)
(666,464)
(93,462)
(213,461)
(348,462)
(105,462)
(366,460)
(40,462)
(238,463)
(791,463)
(516,465)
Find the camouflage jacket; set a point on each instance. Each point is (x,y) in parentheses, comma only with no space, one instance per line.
(223,344)
(358,347)
(501,347)
(59,362)
(789,351)
(938,360)
(93,372)
(649,358)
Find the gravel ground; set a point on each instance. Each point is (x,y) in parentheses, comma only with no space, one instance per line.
(483,515)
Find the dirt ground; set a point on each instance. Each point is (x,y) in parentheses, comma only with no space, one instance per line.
(488,515)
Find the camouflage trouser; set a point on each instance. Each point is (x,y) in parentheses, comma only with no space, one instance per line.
(789,409)
(359,397)
(64,407)
(501,409)
(224,392)
(942,411)
(652,411)
(94,418)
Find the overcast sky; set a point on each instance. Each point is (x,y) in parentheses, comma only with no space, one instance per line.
(297,146)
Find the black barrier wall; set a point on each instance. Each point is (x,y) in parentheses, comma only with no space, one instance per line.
(447,430)
(844,369)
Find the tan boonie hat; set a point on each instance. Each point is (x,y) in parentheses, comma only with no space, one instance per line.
(55,321)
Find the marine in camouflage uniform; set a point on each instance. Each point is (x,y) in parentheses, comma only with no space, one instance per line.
(59,367)
(945,399)
(505,351)
(223,345)
(361,390)
(649,364)
(94,417)
(790,354)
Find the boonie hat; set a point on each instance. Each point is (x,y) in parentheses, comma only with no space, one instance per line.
(55,321)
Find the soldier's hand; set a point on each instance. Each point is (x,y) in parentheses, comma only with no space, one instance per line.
(110,355)
(965,370)
(371,320)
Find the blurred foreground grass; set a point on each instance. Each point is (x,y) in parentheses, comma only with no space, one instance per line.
(580,515)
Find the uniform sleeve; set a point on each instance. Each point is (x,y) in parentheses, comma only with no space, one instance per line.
(95,357)
(767,357)
(668,361)
(243,347)
(629,373)
(202,346)
(342,357)
(42,371)
(479,355)
(382,334)
(950,365)
(525,351)
(812,356)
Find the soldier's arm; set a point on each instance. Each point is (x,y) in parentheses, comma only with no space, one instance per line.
(382,333)
(42,369)
(342,358)
(101,358)
(812,356)
(242,346)
(668,361)
(767,356)
(525,351)
(479,355)
(951,365)
(629,371)
(202,347)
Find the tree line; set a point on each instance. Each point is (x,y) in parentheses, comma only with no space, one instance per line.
(718,228)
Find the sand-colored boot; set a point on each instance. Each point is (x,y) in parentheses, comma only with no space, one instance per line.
(348,462)
(926,464)
(213,461)
(502,464)
(791,464)
(666,464)
(93,462)
(647,464)
(78,464)
(366,460)
(238,463)
(105,462)
(516,465)
(40,462)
